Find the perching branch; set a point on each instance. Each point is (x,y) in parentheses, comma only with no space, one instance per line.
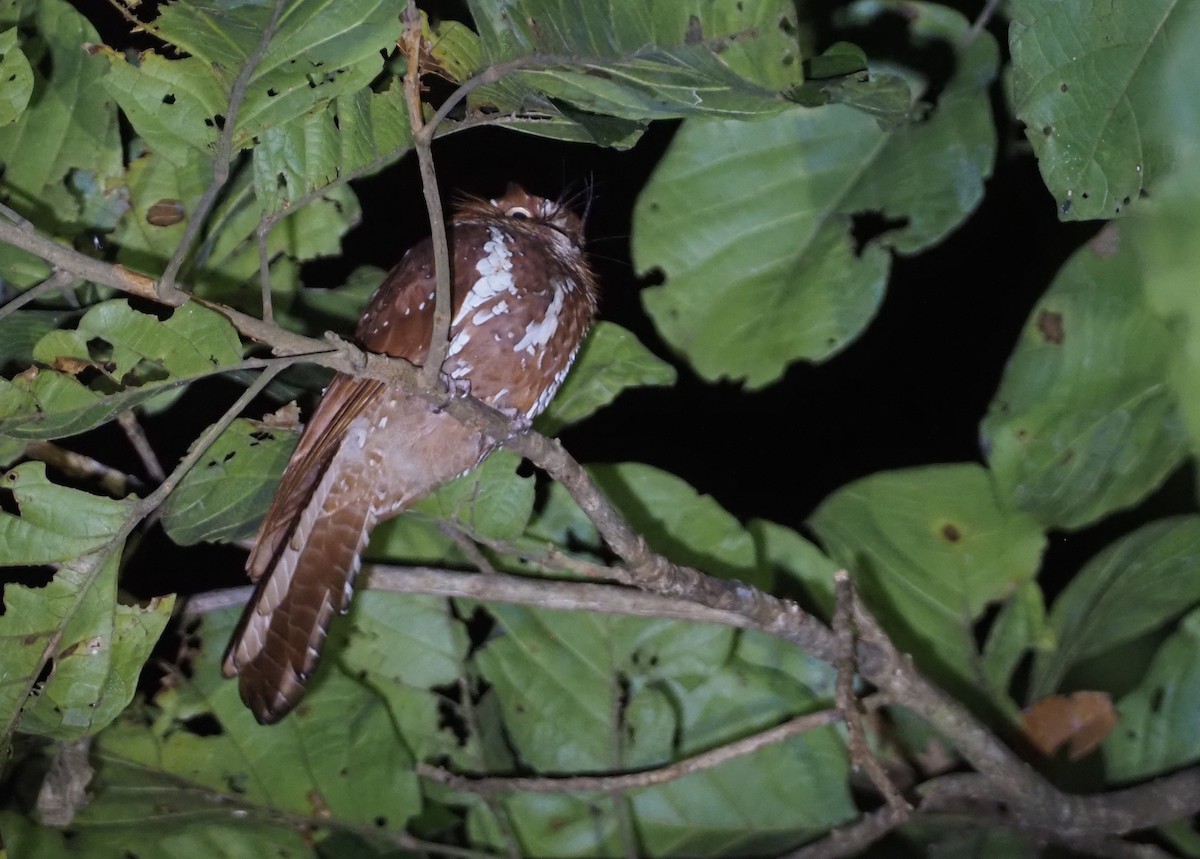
(879,662)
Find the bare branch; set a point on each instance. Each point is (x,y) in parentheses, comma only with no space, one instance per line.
(58,280)
(137,437)
(644,778)
(849,840)
(422,142)
(860,748)
(116,483)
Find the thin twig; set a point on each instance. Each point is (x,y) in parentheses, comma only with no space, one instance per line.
(467,546)
(263,234)
(116,483)
(643,778)
(851,839)
(860,748)
(422,143)
(985,16)
(137,437)
(16,217)
(223,158)
(58,280)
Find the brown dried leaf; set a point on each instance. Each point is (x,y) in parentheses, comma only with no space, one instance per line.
(1080,721)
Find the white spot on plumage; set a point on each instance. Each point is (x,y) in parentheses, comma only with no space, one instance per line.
(495,274)
(461,339)
(421,306)
(383,422)
(497,309)
(539,331)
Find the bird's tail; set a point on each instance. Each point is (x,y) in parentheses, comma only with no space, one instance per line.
(278,642)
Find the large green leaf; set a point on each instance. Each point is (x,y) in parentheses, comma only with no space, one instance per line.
(410,649)
(1085,422)
(1134,586)
(138,356)
(591,693)
(337,757)
(95,646)
(1159,722)
(318,52)
(1092,84)
(146,240)
(929,549)
(611,360)
(639,61)
(69,126)
(224,497)
(308,152)
(751,223)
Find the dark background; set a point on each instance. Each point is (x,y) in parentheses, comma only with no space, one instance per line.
(910,391)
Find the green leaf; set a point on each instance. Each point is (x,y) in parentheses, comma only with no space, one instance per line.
(71,125)
(1019,626)
(406,648)
(20,332)
(352,766)
(154,180)
(751,223)
(56,524)
(1091,81)
(1131,588)
(17,77)
(678,522)
(174,105)
(123,819)
(636,62)
(231,252)
(309,152)
(492,500)
(95,646)
(786,551)
(556,675)
(318,52)
(224,497)
(611,360)
(1084,422)
(1159,721)
(929,549)
(140,356)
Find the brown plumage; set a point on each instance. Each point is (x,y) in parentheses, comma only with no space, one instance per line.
(523,298)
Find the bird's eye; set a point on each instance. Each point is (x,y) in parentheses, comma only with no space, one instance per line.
(519,212)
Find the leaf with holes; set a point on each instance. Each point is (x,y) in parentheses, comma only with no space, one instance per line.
(224,497)
(751,224)
(134,356)
(93,645)
(69,126)
(1092,83)
(1158,722)
(637,62)
(17,77)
